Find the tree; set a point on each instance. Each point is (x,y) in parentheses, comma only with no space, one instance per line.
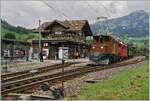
(9,35)
(89,39)
(15,29)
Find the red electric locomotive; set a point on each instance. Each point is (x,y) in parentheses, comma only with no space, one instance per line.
(105,50)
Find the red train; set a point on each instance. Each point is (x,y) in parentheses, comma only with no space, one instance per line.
(105,50)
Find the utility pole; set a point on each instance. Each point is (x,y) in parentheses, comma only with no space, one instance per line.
(40,50)
(62,82)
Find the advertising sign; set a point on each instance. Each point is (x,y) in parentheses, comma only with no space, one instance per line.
(63,53)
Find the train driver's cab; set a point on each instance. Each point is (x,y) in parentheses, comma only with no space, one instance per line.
(101,39)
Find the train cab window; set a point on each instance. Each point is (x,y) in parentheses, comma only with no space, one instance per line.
(96,38)
(101,40)
(106,39)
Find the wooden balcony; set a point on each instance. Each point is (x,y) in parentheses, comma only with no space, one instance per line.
(67,37)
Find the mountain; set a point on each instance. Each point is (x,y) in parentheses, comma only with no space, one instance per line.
(134,25)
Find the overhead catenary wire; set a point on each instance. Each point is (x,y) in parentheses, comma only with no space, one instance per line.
(107,14)
(68,10)
(58,12)
(96,11)
(61,11)
(77,12)
(106,9)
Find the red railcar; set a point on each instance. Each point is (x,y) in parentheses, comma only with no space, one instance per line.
(122,50)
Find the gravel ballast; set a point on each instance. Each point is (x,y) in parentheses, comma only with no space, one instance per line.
(72,87)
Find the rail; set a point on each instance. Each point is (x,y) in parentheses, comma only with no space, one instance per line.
(35,81)
(29,73)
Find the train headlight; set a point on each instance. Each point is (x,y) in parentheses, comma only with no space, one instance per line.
(102,47)
(121,43)
(93,47)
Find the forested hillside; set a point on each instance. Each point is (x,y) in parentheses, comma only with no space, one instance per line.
(16,32)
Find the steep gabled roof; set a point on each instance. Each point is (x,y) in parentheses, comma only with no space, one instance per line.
(42,27)
(60,22)
(69,25)
(78,24)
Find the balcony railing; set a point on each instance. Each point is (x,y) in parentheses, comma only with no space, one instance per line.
(63,37)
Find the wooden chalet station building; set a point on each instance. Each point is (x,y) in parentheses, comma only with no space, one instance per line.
(58,34)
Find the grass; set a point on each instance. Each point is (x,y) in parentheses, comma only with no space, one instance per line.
(131,84)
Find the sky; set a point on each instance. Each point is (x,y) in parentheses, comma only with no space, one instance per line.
(27,13)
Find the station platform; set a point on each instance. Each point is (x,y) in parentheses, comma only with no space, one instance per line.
(21,66)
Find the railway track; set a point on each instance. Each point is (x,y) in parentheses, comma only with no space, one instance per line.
(26,71)
(25,84)
(29,73)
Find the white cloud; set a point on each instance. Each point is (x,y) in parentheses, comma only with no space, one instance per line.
(27,13)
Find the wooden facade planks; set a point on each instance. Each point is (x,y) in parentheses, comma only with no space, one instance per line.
(66,33)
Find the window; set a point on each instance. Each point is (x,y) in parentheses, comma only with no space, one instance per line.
(80,33)
(45,44)
(6,53)
(58,32)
